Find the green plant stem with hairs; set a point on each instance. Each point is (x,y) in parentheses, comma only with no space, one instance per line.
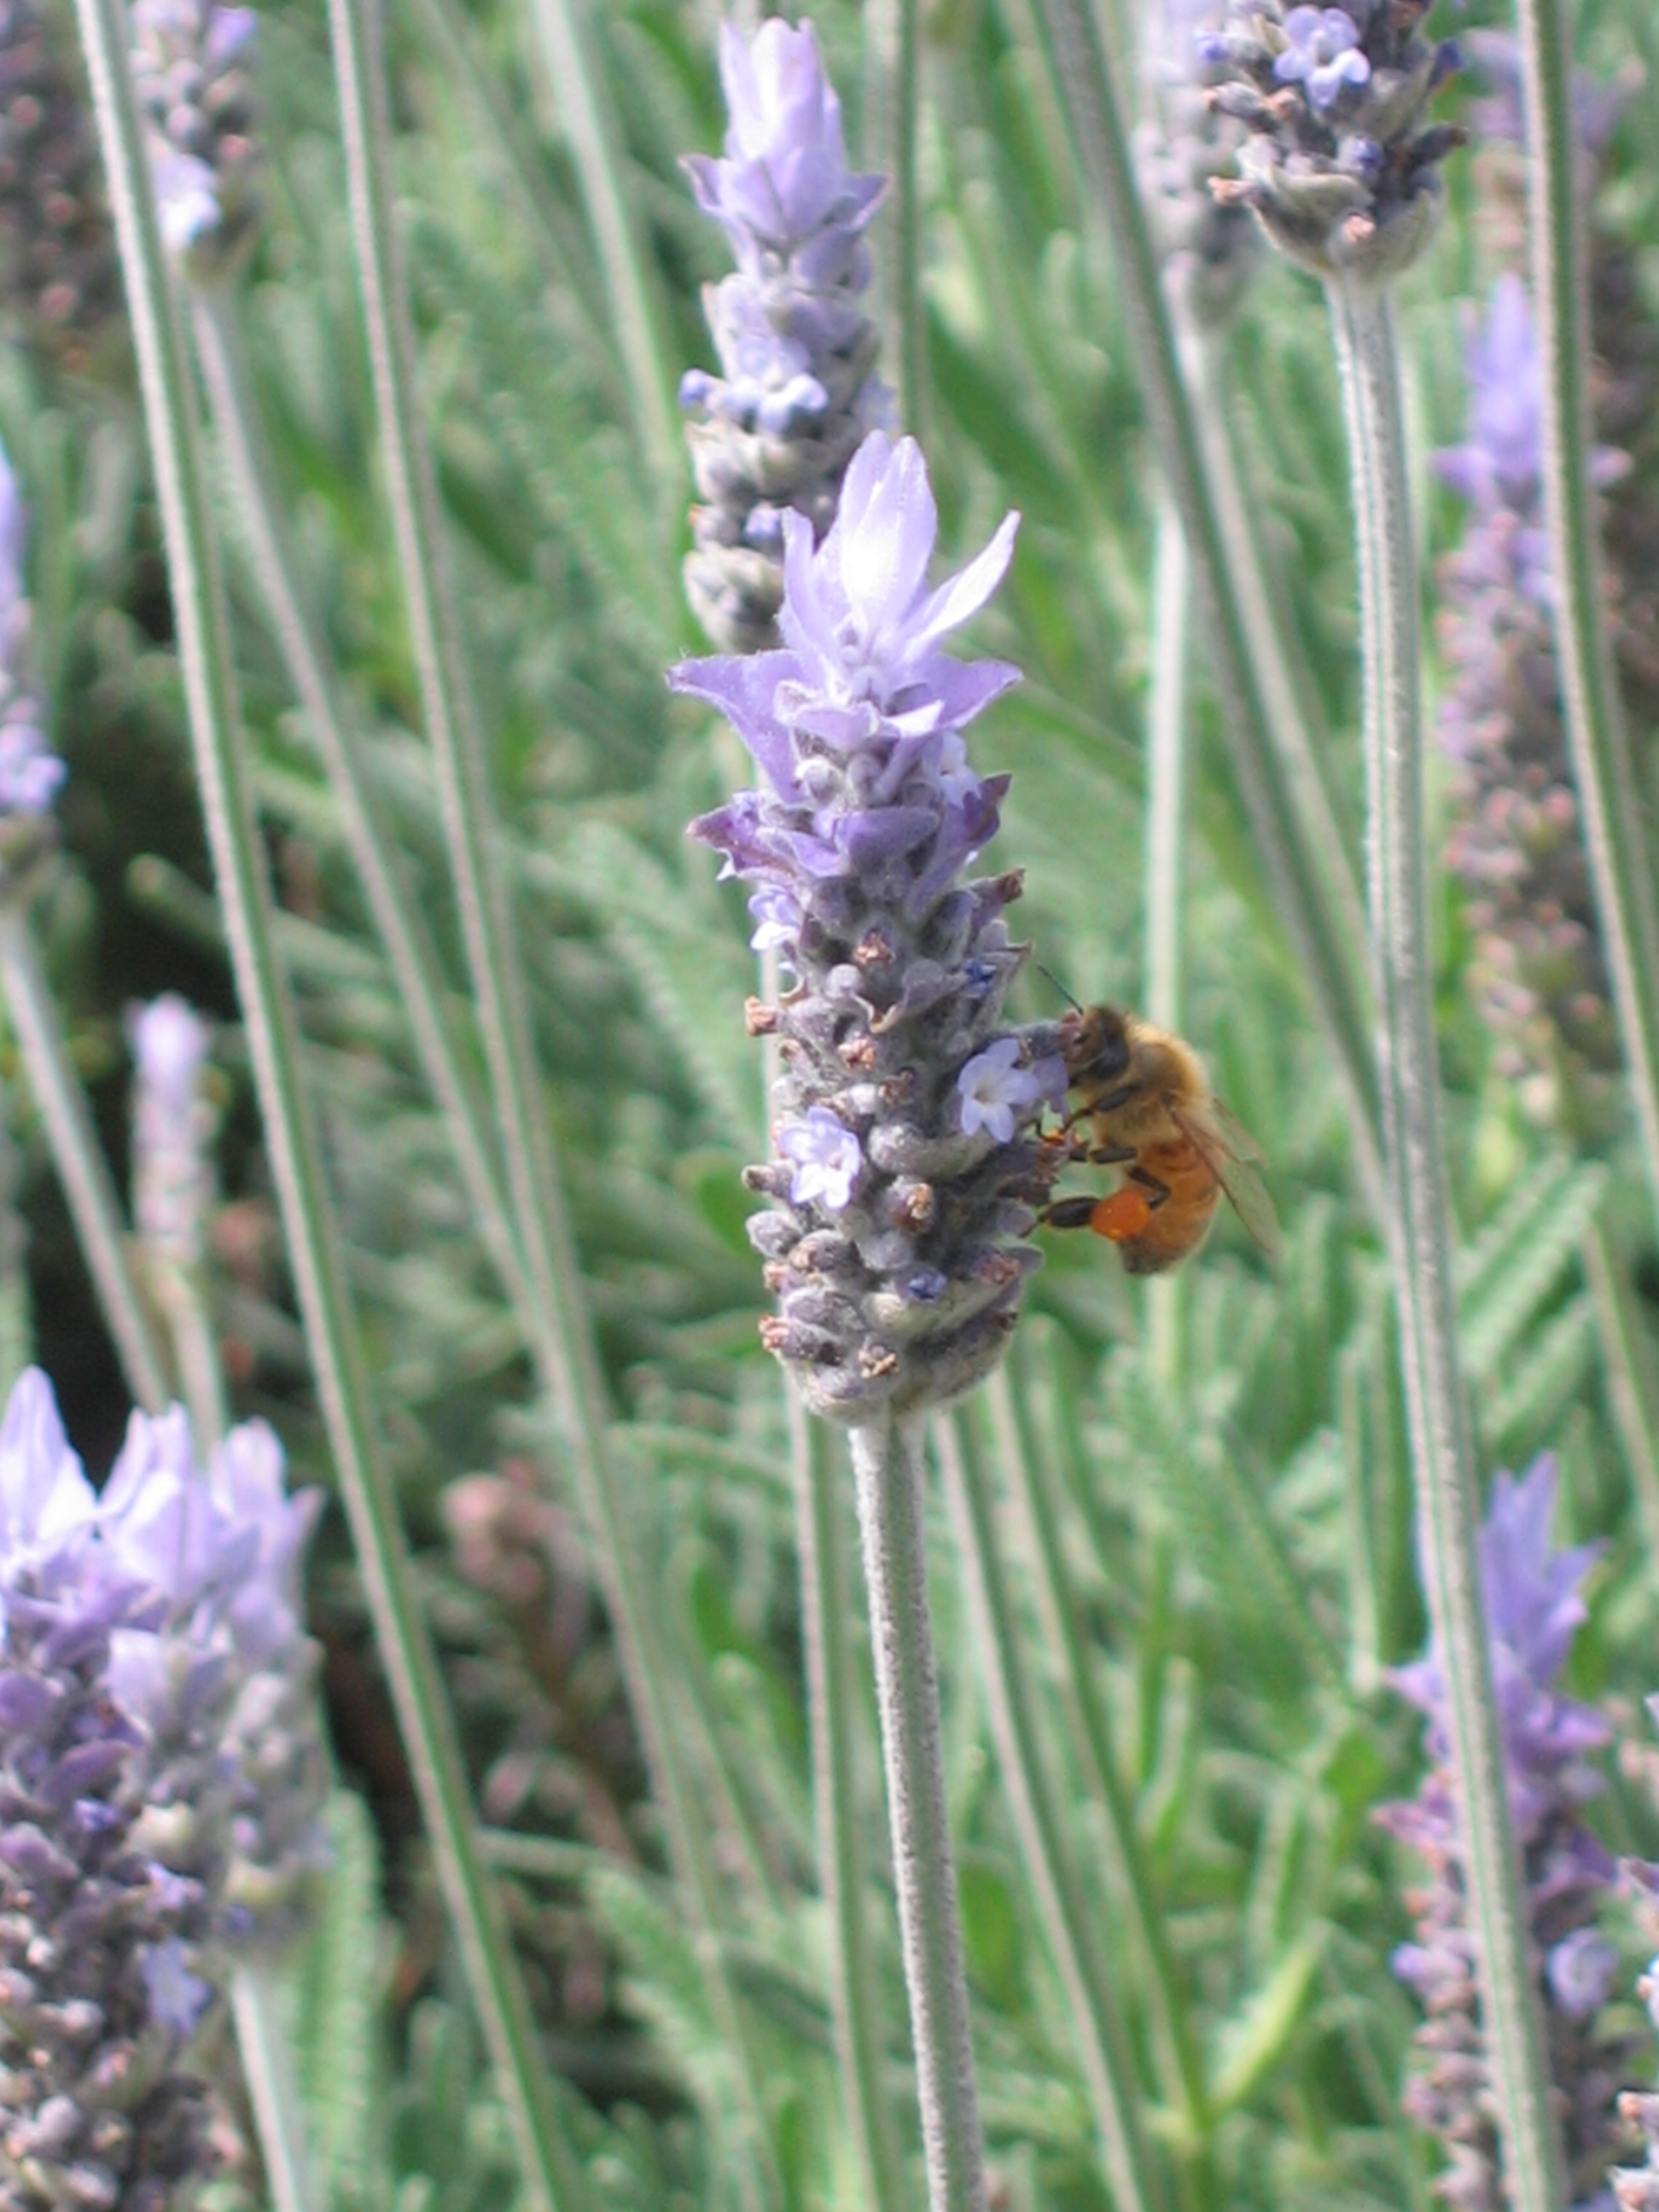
(552,2175)
(1442,1449)
(1313,927)
(1068,1922)
(1609,796)
(565,1355)
(889,1474)
(1166,874)
(892,108)
(83,1171)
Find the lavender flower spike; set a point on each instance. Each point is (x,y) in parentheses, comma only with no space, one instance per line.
(1533,1610)
(1208,246)
(776,429)
(130,1628)
(173,1124)
(1341,165)
(906,1167)
(30,772)
(190,66)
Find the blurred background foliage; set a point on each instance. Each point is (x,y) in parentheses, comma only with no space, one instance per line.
(1239,1547)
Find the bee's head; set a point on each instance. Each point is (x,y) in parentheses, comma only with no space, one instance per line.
(1096,1045)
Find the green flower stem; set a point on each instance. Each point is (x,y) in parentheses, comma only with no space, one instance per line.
(179,1293)
(1313,928)
(1180,2063)
(551,2176)
(1443,1452)
(1609,794)
(1166,873)
(563,1350)
(1627,1370)
(832,1709)
(1068,1919)
(889,1475)
(255,507)
(79,1159)
(268,2070)
(592,130)
(892,108)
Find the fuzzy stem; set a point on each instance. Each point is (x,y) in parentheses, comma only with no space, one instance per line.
(592,130)
(1068,1921)
(551,2175)
(889,1471)
(256,508)
(892,91)
(1443,1452)
(1312,929)
(832,1712)
(1179,2059)
(565,1354)
(179,1294)
(268,2069)
(1609,794)
(78,1157)
(1165,902)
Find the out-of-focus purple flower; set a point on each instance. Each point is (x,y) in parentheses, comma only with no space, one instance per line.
(192,61)
(1535,1606)
(174,1119)
(1182,147)
(1503,456)
(1340,163)
(30,772)
(776,428)
(893,1237)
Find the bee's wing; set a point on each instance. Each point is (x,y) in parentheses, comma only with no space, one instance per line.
(1232,1155)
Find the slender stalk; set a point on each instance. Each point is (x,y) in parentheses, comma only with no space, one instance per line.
(888,1474)
(1312,929)
(592,130)
(563,1350)
(195,1354)
(1443,1451)
(1067,1920)
(551,2175)
(1179,2059)
(257,509)
(1627,1370)
(1165,904)
(1609,794)
(79,1159)
(268,2070)
(832,1713)
(892,103)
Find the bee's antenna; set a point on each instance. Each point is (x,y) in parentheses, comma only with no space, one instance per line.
(1075,1004)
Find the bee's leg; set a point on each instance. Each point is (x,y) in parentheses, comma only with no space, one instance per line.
(1109,1155)
(1068,1213)
(1157,1190)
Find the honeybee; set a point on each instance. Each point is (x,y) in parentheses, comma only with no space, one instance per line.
(1142,1100)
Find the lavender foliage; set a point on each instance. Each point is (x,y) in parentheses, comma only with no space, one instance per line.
(1534,1609)
(906,1165)
(133,1626)
(775,430)
(192,64)
(1340,164)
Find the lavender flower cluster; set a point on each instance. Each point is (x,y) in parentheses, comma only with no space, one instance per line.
(1184,147)
(1341,165)
(796,392)
(906,1165)
(138,1630)
(1534,1609)
(190,62)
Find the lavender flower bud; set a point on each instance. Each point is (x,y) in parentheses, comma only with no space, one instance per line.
(60,279)
(190,65)
(1208,244)
(906,1166)
(30,772)
(1517,842)
(173,1124)
(776,429)
(1341,165)
(1534,1609)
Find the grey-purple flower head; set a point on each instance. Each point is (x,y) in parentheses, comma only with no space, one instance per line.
(1341,165)
(775,430)
(1208,246)
(906,1165)
(30,772)
(192,64)
(174,1122)
(1535,1606)
(130,1627)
